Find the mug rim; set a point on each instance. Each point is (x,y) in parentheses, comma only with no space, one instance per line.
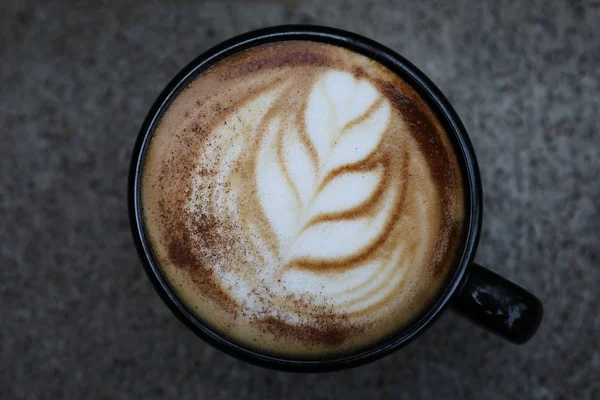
(428,92)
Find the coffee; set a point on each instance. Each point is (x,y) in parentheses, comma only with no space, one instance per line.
(302,199)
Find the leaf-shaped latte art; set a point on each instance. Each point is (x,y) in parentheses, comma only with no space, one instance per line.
(323,190)
(320,202)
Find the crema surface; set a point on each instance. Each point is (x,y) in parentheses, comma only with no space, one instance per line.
(302,199)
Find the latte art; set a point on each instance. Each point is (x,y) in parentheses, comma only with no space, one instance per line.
(316,178)
(302,199)
(324,202)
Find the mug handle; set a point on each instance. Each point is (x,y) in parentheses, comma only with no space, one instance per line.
(498,305)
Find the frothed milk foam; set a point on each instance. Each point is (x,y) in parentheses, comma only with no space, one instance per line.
(302,199)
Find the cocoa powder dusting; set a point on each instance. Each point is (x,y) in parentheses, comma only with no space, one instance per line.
(276,56)
(327,332)
(428,136)
(325,327)
(181,255)
(331,335)
(185,247)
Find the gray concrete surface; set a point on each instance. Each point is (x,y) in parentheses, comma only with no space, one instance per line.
(78,318)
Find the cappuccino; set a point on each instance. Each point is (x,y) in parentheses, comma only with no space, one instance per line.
(302,200)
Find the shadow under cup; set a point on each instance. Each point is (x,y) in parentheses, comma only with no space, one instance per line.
(479,294)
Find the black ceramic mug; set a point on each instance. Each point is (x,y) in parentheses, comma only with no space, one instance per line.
(473,291)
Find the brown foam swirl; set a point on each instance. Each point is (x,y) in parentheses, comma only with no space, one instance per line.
(301,197)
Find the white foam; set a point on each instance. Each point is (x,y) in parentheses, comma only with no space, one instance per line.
(345,192)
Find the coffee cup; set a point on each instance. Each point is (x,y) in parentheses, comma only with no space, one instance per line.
(306,199)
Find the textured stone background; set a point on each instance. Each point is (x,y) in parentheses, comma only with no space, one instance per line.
(78,318)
